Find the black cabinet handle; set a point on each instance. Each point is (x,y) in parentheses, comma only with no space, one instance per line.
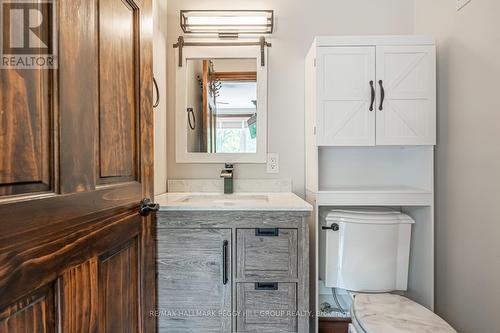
(266,285)
(269,232)
(382,95)
(224,261)
(157,93)
(373,95)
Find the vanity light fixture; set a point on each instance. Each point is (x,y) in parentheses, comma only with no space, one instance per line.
(227,23)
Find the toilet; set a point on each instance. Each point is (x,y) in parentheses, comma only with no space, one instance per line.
(367,252)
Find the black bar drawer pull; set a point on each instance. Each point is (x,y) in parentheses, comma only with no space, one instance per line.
(267,232)
(224,262)
(266,285)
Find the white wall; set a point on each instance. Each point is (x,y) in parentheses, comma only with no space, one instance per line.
(468,161)
(297,22)
(160,113)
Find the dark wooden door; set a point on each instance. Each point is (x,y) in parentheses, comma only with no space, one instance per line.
(76,159)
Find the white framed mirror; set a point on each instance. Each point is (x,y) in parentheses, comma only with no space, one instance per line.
(221,105)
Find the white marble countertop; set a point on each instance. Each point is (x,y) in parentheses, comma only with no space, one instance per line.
(239,201)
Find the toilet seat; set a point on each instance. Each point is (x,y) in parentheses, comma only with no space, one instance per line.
(386,313)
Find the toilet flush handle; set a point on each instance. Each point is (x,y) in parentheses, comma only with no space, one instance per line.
(334,227)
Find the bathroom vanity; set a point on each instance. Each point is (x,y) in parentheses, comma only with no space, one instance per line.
(233,263)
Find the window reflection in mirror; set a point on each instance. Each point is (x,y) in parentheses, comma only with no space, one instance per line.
(221,106)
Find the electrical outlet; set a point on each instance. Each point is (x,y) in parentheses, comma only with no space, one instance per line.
(273,163)
(462,3)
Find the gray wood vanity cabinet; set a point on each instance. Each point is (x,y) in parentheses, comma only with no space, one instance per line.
(233,271)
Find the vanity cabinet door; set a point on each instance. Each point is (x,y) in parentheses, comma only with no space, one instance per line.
(345,76)
(407,115)
(194,280)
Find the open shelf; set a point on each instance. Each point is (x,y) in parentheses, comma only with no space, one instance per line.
(384,195)
(374,188)
(374,176)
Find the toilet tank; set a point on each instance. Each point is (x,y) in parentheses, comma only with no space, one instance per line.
(369,252)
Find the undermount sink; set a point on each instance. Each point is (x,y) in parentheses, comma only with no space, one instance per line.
(225,199)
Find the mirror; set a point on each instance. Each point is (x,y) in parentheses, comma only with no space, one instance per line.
(221,106)
(221,111)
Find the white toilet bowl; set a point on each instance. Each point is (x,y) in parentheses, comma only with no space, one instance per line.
(387,313)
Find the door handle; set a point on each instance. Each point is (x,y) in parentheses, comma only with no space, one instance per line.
(382,95)
(372,95)
(224,261)
(147,206)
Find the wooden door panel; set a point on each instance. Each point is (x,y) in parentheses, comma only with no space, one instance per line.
(344,96)
(102,294)
(78,301)
(77,85)
(118,108)
(34,313)
(118,292)
(25,116)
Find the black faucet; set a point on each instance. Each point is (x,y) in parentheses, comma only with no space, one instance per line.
(227,174)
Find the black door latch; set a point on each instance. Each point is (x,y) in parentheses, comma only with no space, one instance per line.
(147,206)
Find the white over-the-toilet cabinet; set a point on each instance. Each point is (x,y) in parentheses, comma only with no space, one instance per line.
(374,91)
(370,131)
